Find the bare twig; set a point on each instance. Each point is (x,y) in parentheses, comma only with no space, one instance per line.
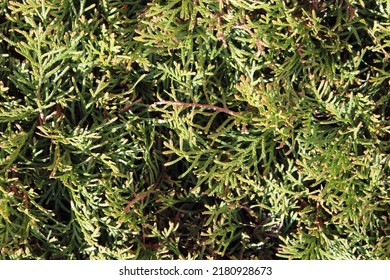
(197,105)
(152,188)
(259,44)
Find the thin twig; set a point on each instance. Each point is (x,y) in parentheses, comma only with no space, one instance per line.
(142,195)
(259,44)
(197,105)
(151,189)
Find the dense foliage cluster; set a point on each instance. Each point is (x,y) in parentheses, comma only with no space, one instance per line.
(194,129)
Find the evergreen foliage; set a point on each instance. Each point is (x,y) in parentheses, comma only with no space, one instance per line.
(194,129)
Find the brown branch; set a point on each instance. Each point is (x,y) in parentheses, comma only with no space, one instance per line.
(259,44)
(142,195)
(197,105)
(152,188)
(138,197)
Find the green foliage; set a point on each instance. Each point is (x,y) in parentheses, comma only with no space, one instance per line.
(194,129)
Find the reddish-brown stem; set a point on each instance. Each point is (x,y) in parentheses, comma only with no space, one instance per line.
(259,44)
(197,105)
